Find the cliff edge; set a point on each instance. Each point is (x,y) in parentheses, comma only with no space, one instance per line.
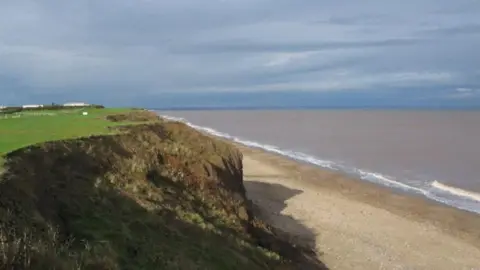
(151,196)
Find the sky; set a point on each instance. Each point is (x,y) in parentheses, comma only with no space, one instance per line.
(136,52)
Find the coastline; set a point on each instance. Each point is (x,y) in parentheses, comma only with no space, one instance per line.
(445,193)
(357,224)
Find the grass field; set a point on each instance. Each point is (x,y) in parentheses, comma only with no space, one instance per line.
(26,128)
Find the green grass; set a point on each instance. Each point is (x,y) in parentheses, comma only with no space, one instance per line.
(26,128)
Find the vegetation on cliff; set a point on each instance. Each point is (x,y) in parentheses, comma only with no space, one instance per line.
(149,195)
(30,127)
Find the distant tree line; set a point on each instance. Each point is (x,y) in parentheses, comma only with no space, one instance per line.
(53,106)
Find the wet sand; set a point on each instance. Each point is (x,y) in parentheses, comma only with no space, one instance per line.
(353,224)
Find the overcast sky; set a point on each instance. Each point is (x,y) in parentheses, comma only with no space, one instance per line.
(122,48)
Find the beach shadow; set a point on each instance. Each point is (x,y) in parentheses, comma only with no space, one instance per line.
(269,200)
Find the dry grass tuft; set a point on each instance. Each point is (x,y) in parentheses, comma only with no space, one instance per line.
(134,116)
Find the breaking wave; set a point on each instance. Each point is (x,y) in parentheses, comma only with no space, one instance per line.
(457,191)
(456,197)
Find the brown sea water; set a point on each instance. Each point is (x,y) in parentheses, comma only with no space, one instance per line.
(436,153)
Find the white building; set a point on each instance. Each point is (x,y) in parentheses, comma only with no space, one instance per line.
(75,104)
(2,107)
(31,106)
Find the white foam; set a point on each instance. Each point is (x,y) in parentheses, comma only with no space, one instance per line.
(387,181)
(270,148)
(457,191)
(462,199)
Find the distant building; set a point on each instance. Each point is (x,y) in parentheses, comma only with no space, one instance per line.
(31,106)
(75,104)
(2,107)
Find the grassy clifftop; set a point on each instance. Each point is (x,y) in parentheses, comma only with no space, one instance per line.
(25,128)
(150,195)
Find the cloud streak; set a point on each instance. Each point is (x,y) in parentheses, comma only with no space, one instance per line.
(250,46)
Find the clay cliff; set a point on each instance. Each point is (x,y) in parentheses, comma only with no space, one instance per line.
(153,196)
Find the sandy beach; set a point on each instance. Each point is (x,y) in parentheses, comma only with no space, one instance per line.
(353,224)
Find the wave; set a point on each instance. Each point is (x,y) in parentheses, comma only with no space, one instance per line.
(457,191)
(456,197)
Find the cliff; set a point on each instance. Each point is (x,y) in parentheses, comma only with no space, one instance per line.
(152,196)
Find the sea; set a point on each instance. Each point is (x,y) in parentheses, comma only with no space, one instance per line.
(435,154)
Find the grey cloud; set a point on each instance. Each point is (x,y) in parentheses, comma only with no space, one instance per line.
(459,7)
(456,30)
(50,47)
(360,19)
(251,46)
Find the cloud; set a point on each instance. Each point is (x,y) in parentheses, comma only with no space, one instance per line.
(118,49)
(365,19)
(43,66)
(464,90)
(286,58)
(250,46)
(464,29)
(463,93)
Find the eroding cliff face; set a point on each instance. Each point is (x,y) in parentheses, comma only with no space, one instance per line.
(155,196)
